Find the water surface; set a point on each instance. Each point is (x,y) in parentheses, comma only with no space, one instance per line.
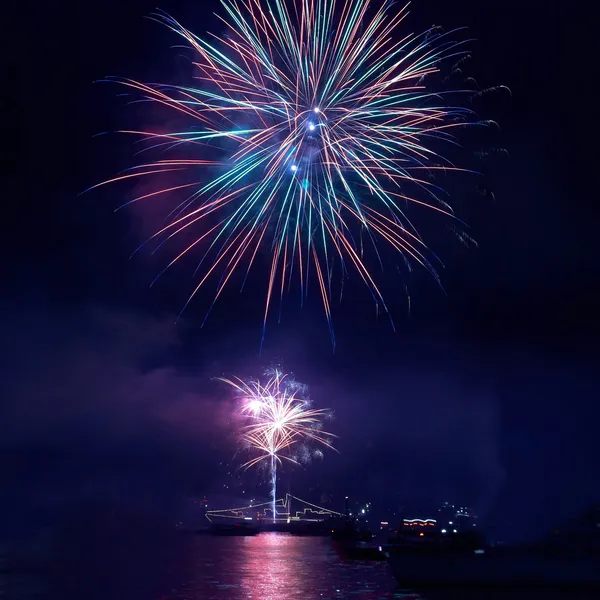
(269,566)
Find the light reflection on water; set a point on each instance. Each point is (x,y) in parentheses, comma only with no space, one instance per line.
(276,566)
(270,566)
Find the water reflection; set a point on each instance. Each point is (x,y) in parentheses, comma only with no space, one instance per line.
(142,564)
(273,566)
(279,566)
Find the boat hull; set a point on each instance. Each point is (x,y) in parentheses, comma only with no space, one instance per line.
(236,529)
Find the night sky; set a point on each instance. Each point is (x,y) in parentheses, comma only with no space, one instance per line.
(487,393)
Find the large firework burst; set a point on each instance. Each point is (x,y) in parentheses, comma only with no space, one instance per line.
(323,127)
(280,422)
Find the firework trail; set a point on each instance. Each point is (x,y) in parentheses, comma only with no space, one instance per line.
(321,132)
(280,421)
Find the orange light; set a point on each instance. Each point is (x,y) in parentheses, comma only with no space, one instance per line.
(421,534)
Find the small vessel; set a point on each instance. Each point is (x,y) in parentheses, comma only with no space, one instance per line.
(360,551)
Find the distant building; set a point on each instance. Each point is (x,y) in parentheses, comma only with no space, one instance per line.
(455,518)
(447,518)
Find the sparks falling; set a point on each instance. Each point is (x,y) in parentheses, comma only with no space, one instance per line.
(319,129)
(280,421)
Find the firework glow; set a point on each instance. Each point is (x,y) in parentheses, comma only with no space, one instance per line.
(281,424)
(320,131)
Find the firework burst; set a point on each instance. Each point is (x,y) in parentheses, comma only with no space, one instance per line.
(320,130)
(281,423)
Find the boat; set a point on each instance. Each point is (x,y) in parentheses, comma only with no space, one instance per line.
(359,551)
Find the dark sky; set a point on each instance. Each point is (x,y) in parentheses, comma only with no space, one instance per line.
(487,394)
